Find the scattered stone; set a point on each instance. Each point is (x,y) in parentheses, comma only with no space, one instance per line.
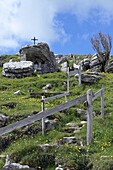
(73,128)
(105,156)
(83,122)
(18,92)
(50,124)
(71,124)
(81,143)
(59,167)
(3,120)
(48,86)
(69,140)
(47,146)
(11,165)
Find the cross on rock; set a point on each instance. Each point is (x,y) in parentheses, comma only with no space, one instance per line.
(34,39)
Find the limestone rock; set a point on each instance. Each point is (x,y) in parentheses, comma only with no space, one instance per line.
(95,63)
(109,67)
(89,77)
(40,54)
(18,92)
(18,69)
(50,124)
(11,165)
(85,64)
(69,140)
(63,66)
(48,86)
(47,147)
(3,120)
(15,166)
(83,122)
(59,167)
(72,128)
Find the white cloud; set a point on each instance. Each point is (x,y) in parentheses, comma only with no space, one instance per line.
(85,36)
(23,19)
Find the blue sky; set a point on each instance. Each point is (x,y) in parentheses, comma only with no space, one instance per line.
(66,25)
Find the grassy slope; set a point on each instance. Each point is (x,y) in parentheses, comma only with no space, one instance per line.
(26,149)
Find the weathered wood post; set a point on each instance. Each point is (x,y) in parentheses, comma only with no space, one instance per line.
(66,99)
(79,72)
(43,120)
(68,79)
(74,59)
(102,102)
(89,116)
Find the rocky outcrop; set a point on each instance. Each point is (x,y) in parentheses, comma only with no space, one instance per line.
(85,64)
(10,165)
(40,54)
(109,67)
(96,62)
(3,120)
(63,66)
(18,69)
(16,166)
(89,77)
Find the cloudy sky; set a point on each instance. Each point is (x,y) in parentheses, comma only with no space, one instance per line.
(66,25)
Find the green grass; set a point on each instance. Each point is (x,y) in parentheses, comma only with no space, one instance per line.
(26,148)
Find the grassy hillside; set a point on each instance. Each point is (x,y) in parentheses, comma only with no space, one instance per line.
(25,148)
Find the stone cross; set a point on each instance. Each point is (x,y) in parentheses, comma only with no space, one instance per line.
(34,39)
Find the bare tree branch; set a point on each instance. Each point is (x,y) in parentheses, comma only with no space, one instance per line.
(102,44)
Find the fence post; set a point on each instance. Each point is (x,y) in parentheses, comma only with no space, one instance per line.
(74,59)
(43,120)
(68,79)
(79,72)
(102,102)
(66,99)
(89,116)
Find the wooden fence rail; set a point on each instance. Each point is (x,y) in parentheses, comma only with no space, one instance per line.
(56,96)
(48,99)
(40,115)
(88,97)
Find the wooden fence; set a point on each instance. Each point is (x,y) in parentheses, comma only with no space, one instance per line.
(88,98)
(73,73)
(48,99)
